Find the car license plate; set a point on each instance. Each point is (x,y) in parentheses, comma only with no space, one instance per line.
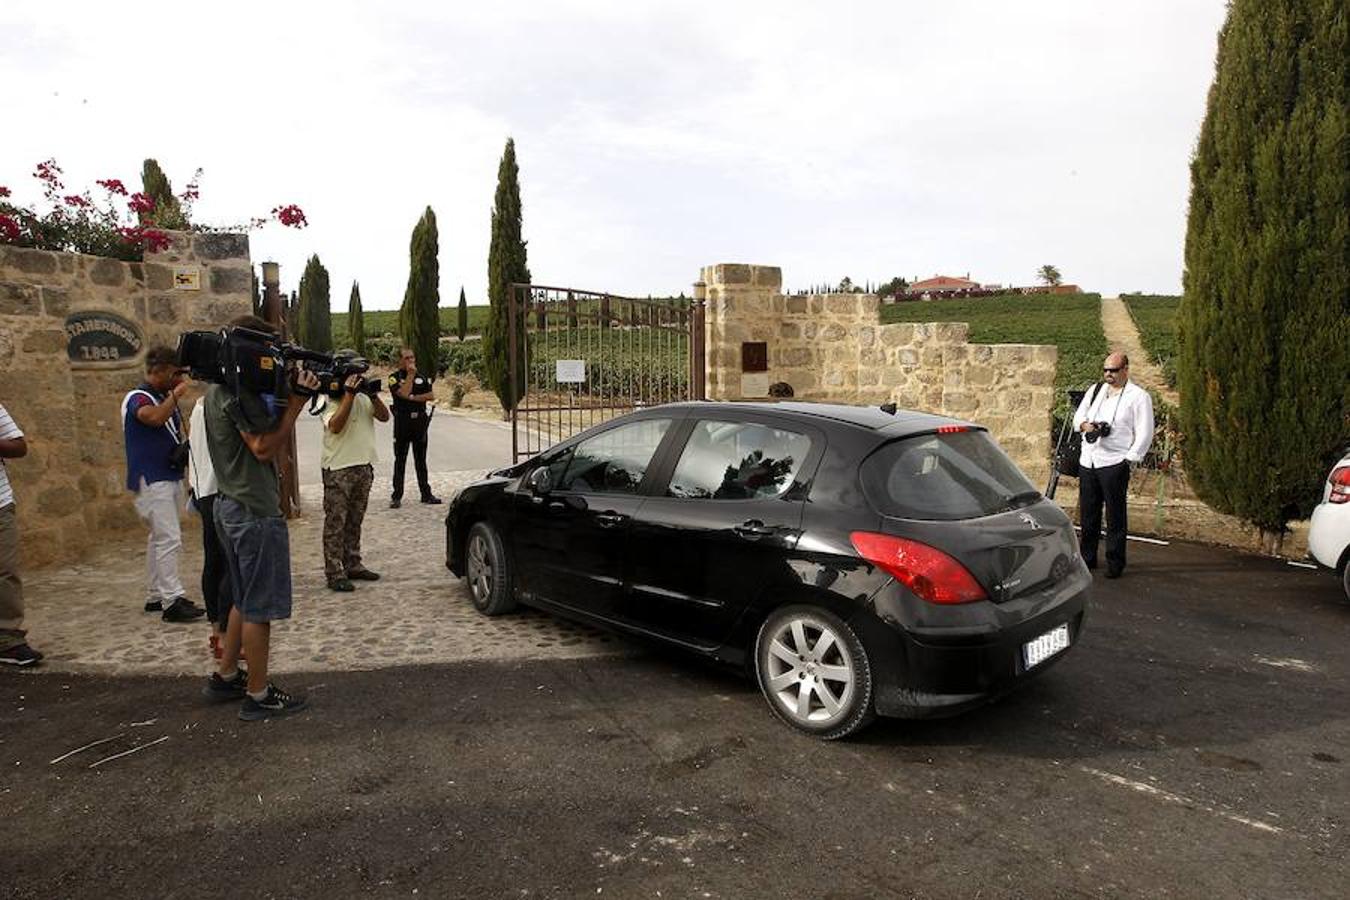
(1046,646)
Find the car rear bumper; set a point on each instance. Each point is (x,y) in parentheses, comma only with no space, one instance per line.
(1329,533)
(939,676)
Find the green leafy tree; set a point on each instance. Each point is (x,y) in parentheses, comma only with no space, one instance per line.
(462,323)
(315,325)
(507,264)
(356,321)
(893,288)
(168,212)
(1049,275)
(419,317)
(1262,327)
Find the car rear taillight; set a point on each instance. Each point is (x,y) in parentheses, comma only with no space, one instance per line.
(1340,485)
(931,574)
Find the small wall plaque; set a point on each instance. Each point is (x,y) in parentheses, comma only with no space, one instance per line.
(187,278)
(754,356)
(571,371)
(754,384)
(102,340)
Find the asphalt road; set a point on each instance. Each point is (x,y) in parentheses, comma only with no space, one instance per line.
(455,443)
(1195,744)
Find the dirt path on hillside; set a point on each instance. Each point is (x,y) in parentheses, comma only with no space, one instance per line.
(1121,334)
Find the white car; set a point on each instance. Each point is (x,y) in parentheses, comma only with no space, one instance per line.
(1329,531)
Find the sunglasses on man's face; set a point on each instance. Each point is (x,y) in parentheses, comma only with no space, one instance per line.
(1109,369)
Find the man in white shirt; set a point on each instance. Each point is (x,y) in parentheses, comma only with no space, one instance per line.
(348,469)
(14,650)
(1116,422)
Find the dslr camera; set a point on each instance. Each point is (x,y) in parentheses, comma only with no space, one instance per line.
(1103,430)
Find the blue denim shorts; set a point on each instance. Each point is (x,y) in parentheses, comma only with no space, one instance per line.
(258,552)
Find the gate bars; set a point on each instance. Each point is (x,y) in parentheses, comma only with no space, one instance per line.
(579,358)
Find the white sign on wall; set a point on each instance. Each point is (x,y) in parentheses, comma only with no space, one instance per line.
(571,371)
(754,384)
(187,278)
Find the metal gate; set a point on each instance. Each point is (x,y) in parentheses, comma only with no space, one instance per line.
(578,358)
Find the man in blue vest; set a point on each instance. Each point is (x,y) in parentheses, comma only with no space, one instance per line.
(152,429)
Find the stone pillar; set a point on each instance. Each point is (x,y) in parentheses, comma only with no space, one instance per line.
(743,303)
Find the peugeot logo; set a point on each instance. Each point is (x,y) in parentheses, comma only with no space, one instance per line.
(1029,519)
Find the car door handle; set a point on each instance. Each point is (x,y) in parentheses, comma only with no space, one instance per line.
(753,529)
(609,518)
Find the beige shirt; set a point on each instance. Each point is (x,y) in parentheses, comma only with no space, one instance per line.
(355,444)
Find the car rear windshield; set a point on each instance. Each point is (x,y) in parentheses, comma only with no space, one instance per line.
(958,475)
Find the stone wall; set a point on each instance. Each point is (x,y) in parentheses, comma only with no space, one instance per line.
(833,348)
(71,488)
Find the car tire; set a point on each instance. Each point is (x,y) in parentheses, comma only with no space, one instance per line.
(488,571)
(1345,579)
(824,691)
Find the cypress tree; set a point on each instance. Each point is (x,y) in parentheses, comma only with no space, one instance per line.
(1262,347)
(315,330)
(155,184)
(506,265)
(257,293)
(356,321)
(462,325)
(292,315)
(419,317)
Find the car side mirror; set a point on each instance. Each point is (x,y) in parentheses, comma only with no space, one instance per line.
(541,480)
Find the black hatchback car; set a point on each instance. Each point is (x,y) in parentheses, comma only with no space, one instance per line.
(857,561)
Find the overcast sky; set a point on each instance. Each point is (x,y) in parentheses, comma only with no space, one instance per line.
(861,139)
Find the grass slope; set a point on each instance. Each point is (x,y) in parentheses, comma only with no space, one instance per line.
(1156,318)
(380,322)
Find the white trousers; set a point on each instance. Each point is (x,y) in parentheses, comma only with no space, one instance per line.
(158,504)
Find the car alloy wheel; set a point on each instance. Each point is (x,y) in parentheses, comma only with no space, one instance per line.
(814,672)
(480,570)
(488,571)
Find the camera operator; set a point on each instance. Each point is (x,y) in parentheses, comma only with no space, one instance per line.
(348,470)
(1117,428)
(254,534)
(152,430)
(411,392)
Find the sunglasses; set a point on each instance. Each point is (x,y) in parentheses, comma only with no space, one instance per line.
(1109,369)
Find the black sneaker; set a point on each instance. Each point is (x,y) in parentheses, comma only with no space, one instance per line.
(154,606)
(20,655)
(395,503)
(218,690)
(182,610)
(363,575)
(276,703)
(340,585)
(431,499)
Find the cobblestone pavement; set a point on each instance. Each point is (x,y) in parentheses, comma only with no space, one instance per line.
(88,617)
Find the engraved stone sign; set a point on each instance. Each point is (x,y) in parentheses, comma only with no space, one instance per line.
(102,340)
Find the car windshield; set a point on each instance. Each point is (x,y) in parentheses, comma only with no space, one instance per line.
(957,475)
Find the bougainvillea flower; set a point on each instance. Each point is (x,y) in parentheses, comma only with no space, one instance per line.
(9,229)
(112,186)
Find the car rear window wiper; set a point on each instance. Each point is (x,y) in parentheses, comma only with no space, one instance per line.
(1023,499)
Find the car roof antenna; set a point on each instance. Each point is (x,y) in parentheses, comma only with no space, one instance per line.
(888,408)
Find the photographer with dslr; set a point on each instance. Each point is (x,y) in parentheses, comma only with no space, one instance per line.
(249,418)
(1117,427)
(348,469)
(411,392)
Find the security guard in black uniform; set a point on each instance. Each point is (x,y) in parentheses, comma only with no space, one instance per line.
(411,390)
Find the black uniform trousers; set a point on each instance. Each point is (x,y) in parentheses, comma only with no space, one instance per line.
(410,434)
(1095,487)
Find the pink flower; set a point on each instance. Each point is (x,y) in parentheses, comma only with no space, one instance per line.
(49,172)
(9,229)
(141,203)
(76,200)
(291,216)
(112,186)
(4,191)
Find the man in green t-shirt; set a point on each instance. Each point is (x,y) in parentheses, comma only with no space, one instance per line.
(257,543)
(348,466)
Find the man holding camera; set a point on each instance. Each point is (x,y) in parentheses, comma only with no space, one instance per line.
(152,430)
(245,432)
(411,392)
(1116,421)
(348,469)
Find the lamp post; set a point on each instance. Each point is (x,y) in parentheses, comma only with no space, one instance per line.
(698,367)
(288,463)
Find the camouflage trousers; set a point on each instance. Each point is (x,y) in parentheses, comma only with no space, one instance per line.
(345,492)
